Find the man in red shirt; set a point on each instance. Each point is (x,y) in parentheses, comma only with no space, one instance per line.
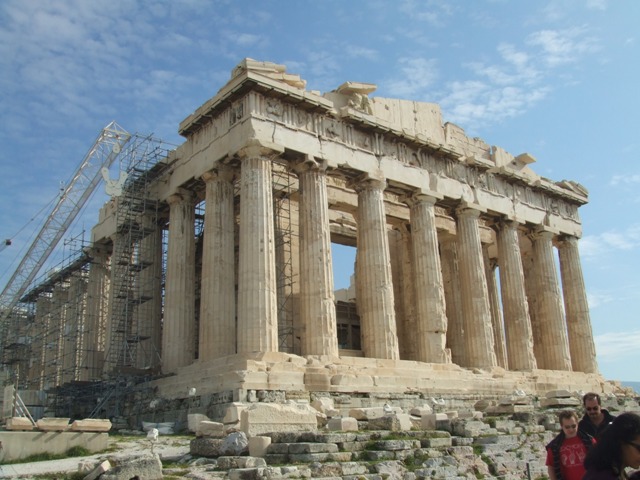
(566,452)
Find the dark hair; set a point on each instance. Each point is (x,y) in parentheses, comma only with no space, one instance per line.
(567,415)
(607,453)
(591,396)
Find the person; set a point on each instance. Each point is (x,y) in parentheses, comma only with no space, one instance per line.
(595,418)
(566,452)
(617,448)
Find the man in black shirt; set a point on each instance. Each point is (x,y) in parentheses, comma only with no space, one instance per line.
(595,418)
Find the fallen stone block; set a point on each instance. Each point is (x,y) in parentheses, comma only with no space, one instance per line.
(53,424)
(435,421)
(560,402)
(208,428)
(266,418)
(99,470)
(343,424)
(194,419)
(19,423)
(258,446)
(370,413)
(205,447)
(147,467)
(558,394)
(395,422)
(91,425)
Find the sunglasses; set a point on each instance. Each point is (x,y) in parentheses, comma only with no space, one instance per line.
(592,409)
(634,445)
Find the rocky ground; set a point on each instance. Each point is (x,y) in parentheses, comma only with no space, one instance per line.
(465,446)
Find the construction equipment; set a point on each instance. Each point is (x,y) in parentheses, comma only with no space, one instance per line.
(105,150)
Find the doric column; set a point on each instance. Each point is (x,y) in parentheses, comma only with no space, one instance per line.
(43,311)
(257,287)
(519,335)
(497,323)
(317,306)
(431,320)
(553,329)
(453,297)
(375,290)
(97,305)
(53,371)
(73,335)
(403,290)
(178,335)
(581,346)
(149,311)
(475,297)
(218,296)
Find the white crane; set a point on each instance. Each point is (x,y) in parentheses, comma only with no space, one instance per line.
(105,150)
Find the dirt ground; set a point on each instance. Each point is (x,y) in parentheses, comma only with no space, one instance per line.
(171,448)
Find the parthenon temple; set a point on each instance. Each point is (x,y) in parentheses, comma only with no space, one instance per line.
(213,267)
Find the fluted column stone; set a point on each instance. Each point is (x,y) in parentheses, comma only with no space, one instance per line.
(375,289)
(218,298)
(475,296)
(257,286)
(43,311)
(581,345)
(149,312)
(97,306)
(453,296)
(404,292)
(518,331)
(317,306)
(431,320)
(178,336)
(497,322)
(550,314)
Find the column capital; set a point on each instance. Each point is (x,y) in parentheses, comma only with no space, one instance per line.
(309,163)
(507,221)
(224,173)
(259,148)
(470,209)
(420,195)
(368,181)
(541,232)
(566,239)
(180,195)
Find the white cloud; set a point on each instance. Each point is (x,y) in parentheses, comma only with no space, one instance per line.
(354,51)
(614,345)
(596,300)
(624,180)
(417,74)
(559,47)
(592,246)
(597,4)
(433,12)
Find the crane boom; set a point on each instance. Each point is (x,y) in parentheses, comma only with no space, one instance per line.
(104,151)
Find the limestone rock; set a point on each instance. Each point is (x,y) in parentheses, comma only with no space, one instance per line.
(147,467)
(235,444)
(265,418)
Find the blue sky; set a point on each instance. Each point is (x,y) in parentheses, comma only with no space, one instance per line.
(557,79)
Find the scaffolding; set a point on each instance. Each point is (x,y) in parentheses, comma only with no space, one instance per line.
(133,340)
(284,186)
